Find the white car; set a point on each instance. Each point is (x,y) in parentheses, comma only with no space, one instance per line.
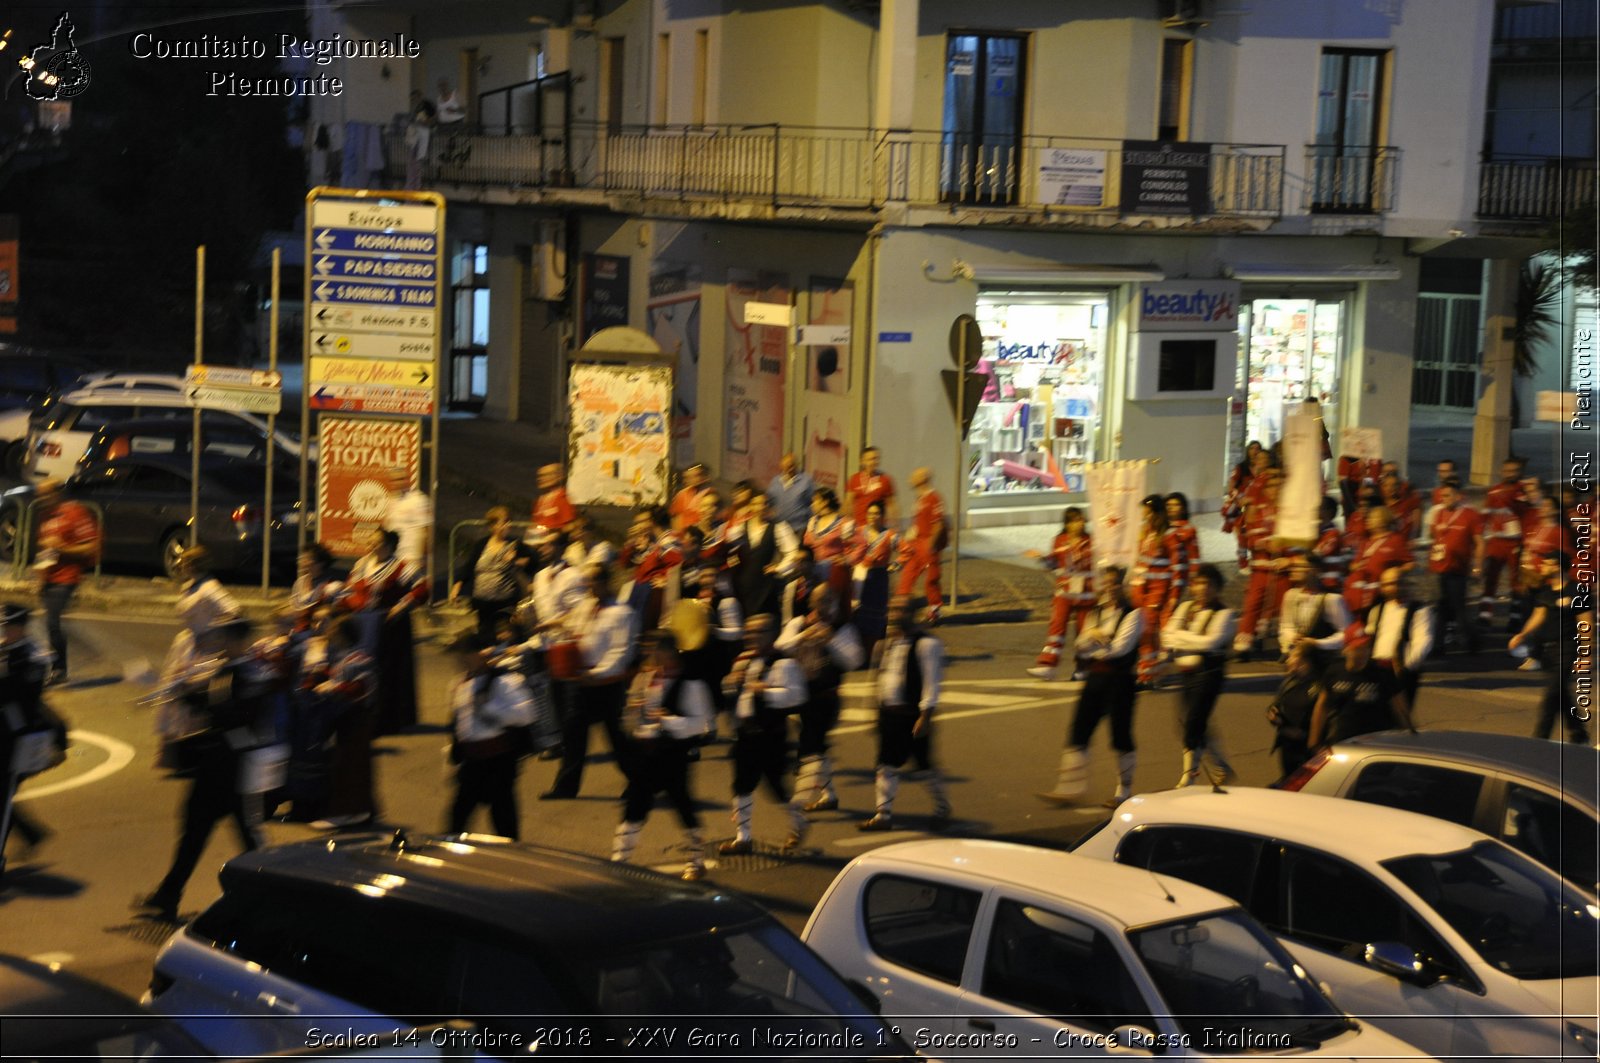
(1447,938)
(62,431)
(984,949)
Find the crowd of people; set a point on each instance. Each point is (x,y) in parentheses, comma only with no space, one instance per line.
(1338,609)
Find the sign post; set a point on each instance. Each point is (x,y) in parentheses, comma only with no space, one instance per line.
(966,347)
(374,291)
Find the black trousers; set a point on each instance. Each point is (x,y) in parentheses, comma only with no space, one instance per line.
(818,716)
(491,781)
(581,708)
(1200,691)
(32,831)
(213,795)
(1105,694)
(896,743)
(1292,752)
(1453,606)
(1560,699)
(761,751)
(660,766)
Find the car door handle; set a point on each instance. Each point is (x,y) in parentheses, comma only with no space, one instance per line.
(277,1003)
(981,1024)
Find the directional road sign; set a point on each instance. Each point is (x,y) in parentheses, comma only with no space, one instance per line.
(361,398)
(371,345)
(369,371)
(223,387)
(328,316)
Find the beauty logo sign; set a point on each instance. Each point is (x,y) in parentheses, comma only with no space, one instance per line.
(1189,306)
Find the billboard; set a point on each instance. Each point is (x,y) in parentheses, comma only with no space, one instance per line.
(354,467)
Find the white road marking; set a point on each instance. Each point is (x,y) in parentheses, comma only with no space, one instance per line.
(53,960)
(118,756)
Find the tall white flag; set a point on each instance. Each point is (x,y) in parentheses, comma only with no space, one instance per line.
(1300,500)
(1115,489)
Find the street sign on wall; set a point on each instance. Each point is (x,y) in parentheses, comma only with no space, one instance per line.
(354,475)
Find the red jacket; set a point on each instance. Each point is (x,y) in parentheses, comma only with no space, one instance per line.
(1455,540)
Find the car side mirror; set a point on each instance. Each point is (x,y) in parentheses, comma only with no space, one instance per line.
(1393,958)
(865,995)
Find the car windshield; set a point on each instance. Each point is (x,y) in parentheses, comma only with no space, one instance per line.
(1519,916)
(731,981)
(1233,988)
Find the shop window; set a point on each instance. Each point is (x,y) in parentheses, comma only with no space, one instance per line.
(469,347)
(982,117)
(1038,423)
(1186,365)
(1292,353)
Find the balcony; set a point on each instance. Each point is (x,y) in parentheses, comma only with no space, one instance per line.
(850,169)
(1538,189)
(1351,180)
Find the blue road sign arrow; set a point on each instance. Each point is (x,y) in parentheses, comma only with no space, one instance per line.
(325,264)
(325,239)
(376,293)
(331,239)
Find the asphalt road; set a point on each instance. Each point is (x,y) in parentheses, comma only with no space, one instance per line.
(999,738)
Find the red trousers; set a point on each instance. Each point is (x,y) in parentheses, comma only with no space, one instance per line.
(921,559)
(1063,611)
(1499,556)
(1262,597)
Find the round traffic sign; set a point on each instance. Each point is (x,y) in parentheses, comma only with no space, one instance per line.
(966,341)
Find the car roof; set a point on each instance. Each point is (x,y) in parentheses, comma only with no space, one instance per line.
(535,893)
(1131,896)
(1360,832)
(1570,767)
(154,394)
(113,381)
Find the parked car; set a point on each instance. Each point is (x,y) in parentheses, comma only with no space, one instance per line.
(1444,937)
(378,930)
(989,949)
(227,437)
(50,1014)
(1536,796)
(144,503)
(28,378)
(60,433)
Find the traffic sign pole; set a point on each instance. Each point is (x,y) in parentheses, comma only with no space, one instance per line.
(199,359)
(272,426)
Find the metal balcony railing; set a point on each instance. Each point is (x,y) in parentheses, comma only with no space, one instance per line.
(1535,189)
(1351,180)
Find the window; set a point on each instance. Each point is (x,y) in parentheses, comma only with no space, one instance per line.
(1551,831)
(1218,860)
(151,479)
(702,74)
(982,117)
(469,354)
(1172,118)
(1186,365)
(663,77)
(1443,793)
(925,926)
(1344,156)
(1056,966)
(612,75)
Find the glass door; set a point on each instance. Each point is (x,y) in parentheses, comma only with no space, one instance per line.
(1293,351)
(982,118)
(1345,153)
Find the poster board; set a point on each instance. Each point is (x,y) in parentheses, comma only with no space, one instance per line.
(1363,443)
(619,452)
(354,461)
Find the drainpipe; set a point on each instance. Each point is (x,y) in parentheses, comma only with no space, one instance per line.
(870,348)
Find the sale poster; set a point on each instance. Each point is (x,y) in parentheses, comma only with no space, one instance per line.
(354,477)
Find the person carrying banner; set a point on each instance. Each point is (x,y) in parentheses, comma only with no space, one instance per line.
(1071,556)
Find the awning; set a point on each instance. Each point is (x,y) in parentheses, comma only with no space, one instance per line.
(1059,275)
(1256,271)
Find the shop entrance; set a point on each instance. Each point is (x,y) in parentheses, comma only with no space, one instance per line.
(1292,349)
(1044,356)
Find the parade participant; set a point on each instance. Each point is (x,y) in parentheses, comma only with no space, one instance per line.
(1558,622)
(1258,461)
(792,489)
(1234,499)
(1402,504)
(410,515)
(383,591)
(602,630)
(1183,547)
(1312,617)
(340,689)
(867,486)
(666,715)
(1071,557)
(552,510)
(872,559)
(1380,547)
(1446,471)
(1331,553)
(1265,590)
(1356,476)
(1107,650)
(740,500)
(1150,584)
(1505,513)
(556,584)
(24,667)
(68,543)
(488,707)
(1358,696)
(766,551)
(493,573)
(584,547)
(1402,632)
(765,687)
(908,665)
(202,599)
(684,509)
(826,650)
(225,700)
(1455,556)
(1292,706)
(1198,635)
(315,584)
(922,546)
(795,597)
(1545,532)
(656,552)
(828,534)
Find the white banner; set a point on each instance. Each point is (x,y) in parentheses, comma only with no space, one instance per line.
(1300,499)
(1363,443)
(1115,489)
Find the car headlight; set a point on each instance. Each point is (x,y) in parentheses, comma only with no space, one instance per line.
(1584,1038)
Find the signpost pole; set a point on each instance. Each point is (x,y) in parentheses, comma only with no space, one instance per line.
(305,388)
(199,358)
(961,474)
(272,426)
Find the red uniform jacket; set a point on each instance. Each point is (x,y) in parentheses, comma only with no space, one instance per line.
(1455,540)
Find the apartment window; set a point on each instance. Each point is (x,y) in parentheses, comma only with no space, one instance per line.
(663,76)
(611,75)
(1346,158)
(469,337)
(702,74)
(1177,74)
(982,117)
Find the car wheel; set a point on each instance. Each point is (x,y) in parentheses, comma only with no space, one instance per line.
(173,544)
(8,535)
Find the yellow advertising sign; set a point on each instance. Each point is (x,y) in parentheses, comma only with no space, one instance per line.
(369,371)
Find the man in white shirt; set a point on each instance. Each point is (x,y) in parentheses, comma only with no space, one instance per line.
(1108,651)
(488,705)
(910,664)
(1311,614)
(765,687)
(410,515)
(766,554)
(605,648)
(1199,635)
(1402,632)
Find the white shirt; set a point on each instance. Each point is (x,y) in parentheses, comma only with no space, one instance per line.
(1299,612)
(1124,637)
(411,517)
(1212,631)
(785,686)
(892,670)
(1391,621)
(506,703)
(201,603)
(844,646)
(606,641)
(783,537)
(693,718)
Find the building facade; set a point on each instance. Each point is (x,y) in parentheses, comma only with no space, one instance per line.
(1170,218)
